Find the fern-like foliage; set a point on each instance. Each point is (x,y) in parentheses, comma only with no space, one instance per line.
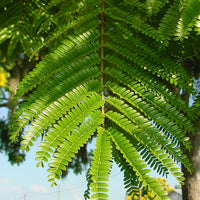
(109,74)
(190,15)
(100,166)
(19,24)
(131,182)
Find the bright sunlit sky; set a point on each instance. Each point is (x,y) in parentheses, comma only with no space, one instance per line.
(27,182)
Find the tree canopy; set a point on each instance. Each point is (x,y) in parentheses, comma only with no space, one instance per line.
(117,70)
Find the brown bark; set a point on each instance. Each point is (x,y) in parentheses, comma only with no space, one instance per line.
(16,75)
(191,189)
(140,193)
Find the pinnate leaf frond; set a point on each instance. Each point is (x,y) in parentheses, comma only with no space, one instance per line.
(100,166)
(69,147)
(111,75)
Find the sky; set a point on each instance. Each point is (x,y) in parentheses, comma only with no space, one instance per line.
(27,182)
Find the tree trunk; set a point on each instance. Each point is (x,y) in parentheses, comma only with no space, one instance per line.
(191,189)
(16,75)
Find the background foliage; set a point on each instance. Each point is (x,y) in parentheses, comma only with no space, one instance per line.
(146,195)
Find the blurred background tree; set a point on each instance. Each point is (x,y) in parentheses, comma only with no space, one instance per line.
(146,195)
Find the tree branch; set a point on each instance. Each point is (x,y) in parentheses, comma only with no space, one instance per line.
(5,105)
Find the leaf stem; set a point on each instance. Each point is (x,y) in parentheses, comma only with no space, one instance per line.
(102,54)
